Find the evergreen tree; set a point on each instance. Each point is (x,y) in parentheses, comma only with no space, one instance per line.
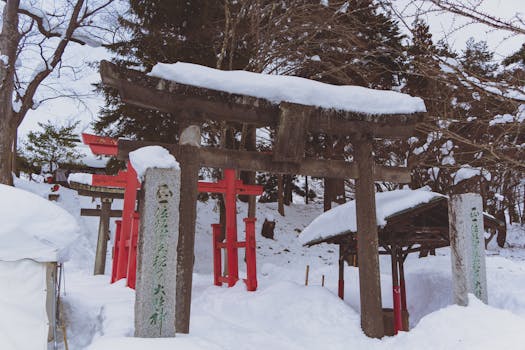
(53,145)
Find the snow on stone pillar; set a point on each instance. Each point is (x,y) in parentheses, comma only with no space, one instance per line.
(157,245)
(467,243)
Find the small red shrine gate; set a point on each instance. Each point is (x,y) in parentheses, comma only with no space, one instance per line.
(231,187)
(127,230)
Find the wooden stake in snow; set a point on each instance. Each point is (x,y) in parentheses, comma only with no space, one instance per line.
(306,277)
(467,243)
(322,281)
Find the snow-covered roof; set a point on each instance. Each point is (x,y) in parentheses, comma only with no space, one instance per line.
(342,218)
(283,88)
(33,227)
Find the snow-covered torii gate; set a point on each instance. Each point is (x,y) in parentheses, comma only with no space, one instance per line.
(294,107)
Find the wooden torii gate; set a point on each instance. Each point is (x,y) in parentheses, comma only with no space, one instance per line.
(194,105)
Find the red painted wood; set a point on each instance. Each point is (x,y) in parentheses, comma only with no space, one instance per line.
(217,258)
(130,197)
(118,181)
(230,199)
(101,145)
(231,187)
(341,289)
(398,321)
(118,227)
(251,265)
(132,260)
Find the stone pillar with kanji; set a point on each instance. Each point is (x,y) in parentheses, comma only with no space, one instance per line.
(467,245)
(157,254)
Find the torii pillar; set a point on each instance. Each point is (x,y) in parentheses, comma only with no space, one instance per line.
(367,240)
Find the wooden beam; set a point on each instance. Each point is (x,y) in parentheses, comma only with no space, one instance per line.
(114,213)
(140,90)
(97,194)
(257,161)
(291,133)
(103,236)
(367,242)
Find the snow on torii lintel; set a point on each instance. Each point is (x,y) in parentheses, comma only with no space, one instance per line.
(284,88)
(342,218)
(81,178)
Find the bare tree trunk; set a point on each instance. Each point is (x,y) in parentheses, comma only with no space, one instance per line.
(280,197)
(288,186)
(9,39)
(6,143)
(327,198)
(15,169)
(306,189)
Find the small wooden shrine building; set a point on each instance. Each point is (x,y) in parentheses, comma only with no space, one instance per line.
(409,221)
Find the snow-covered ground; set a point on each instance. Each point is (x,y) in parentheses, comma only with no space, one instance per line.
(283,313)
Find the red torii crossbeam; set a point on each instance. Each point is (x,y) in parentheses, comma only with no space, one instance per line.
(231,187)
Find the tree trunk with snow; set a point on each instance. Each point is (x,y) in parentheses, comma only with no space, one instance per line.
(76,15)
(9,39)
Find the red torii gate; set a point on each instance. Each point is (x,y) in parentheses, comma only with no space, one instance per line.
(126,233)
(231,187)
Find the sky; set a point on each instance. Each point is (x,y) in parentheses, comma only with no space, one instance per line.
(85,109)
(456,30)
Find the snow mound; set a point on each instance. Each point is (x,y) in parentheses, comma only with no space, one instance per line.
(283,88)
(476,326)
(33,227)
(342,219)
(151,157)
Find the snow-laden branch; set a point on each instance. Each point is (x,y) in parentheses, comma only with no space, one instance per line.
(43,23)
(467,9)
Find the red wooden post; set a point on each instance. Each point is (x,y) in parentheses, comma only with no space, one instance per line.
(396,293)
(251,265)
(132,260)
(118,227)
(217,258)
(231,227)
(402,283)
(341,287)
(130,197)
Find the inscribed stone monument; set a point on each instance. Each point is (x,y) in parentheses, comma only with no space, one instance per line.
(157,254)
(467,243)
